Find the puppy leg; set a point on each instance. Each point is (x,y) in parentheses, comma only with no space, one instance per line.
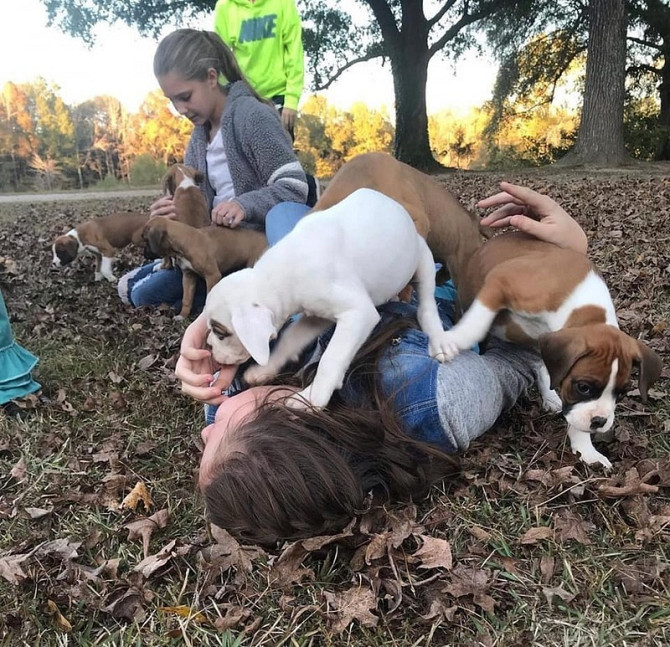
(97,276)
(427,313)
(550,399)
(106,269)
(288,348)
(470,330)
(580,442)
(188,283)
(352,328)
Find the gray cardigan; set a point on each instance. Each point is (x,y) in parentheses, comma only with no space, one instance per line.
(263,166)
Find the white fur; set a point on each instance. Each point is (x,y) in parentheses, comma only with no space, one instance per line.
(336,265)
(592,290)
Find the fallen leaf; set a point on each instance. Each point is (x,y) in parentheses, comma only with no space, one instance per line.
(149,565)
(139,494)
(143,528)
(147,362)
(235,614)
(37,513)
(19,470)
(353,604)
(557,591)
(60,620)
(11,570)
(570,525)
(536,535)
(632,485)
(184,611)
(434,553)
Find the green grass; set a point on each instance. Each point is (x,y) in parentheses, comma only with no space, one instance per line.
(105,424)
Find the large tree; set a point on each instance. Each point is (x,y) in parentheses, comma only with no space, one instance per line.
(600,139)
(650,52)
(402,31)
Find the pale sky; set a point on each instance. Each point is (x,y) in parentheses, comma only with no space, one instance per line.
(120,64)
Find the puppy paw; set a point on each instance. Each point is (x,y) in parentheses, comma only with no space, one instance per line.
(307,399)
(178,318)
(111,278)
(595,458)
(258,374)
(98,276)
(551,402)
(445,346)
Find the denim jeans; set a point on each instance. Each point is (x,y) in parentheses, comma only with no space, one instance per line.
(150,286)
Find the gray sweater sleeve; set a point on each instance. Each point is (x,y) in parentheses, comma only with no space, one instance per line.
(270,150)
(473,390)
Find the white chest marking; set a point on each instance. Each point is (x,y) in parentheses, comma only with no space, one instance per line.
(590,291)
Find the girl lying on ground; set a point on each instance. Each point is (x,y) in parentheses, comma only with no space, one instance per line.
(270,473)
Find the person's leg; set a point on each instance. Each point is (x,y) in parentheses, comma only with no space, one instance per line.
(282,218)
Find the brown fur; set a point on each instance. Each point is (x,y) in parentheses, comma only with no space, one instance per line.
(212,251)
(515,272)
(107,234)
(451,232)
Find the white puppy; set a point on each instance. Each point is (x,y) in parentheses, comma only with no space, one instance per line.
(336,265)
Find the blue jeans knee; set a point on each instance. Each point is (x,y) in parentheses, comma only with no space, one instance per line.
(281,219)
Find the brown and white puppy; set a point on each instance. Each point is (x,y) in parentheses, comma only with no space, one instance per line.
(534,293)
(181,182)
(100,237)
(210,252)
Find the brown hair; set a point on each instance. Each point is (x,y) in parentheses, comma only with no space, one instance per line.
(307,472)
(191,53)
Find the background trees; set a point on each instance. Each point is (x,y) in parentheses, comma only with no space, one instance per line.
(540,45)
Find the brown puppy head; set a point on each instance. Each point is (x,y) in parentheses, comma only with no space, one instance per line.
(176,174)
(591,368)
(65,249)
(156,238)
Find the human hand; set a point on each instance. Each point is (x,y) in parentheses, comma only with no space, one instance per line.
(196,366)
(534,214)
(288,118)
(164,206)
(228,214)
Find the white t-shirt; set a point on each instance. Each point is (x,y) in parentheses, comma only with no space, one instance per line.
(218,170)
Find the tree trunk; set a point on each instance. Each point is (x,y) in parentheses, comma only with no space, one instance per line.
(663,151)
(411,144)
(600,139)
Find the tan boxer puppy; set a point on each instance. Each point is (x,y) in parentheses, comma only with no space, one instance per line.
(181,182)
(210,252)
(100,237)
(452,233)
(535,293)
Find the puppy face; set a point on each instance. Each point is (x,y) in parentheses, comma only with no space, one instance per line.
(65,250)
(239,326)
(155,237)
(180,175)
(591,369)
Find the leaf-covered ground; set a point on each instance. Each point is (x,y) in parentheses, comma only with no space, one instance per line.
(102,535)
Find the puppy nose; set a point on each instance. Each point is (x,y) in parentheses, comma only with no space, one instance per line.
(598,422)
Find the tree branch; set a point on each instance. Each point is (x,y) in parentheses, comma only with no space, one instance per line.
(645,43)
(644,67)
(438,16)
(345,67)
(386,20)
(465,20)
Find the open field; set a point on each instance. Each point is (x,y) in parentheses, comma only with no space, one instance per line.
(526,547)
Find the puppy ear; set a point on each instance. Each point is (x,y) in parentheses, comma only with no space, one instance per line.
(253,325)
(168,182)
(199,177)
(560,350)
(650,368)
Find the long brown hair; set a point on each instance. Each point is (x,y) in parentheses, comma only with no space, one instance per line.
(306,472)
(191,53)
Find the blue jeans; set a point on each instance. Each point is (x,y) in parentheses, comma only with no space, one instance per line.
(150,286)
